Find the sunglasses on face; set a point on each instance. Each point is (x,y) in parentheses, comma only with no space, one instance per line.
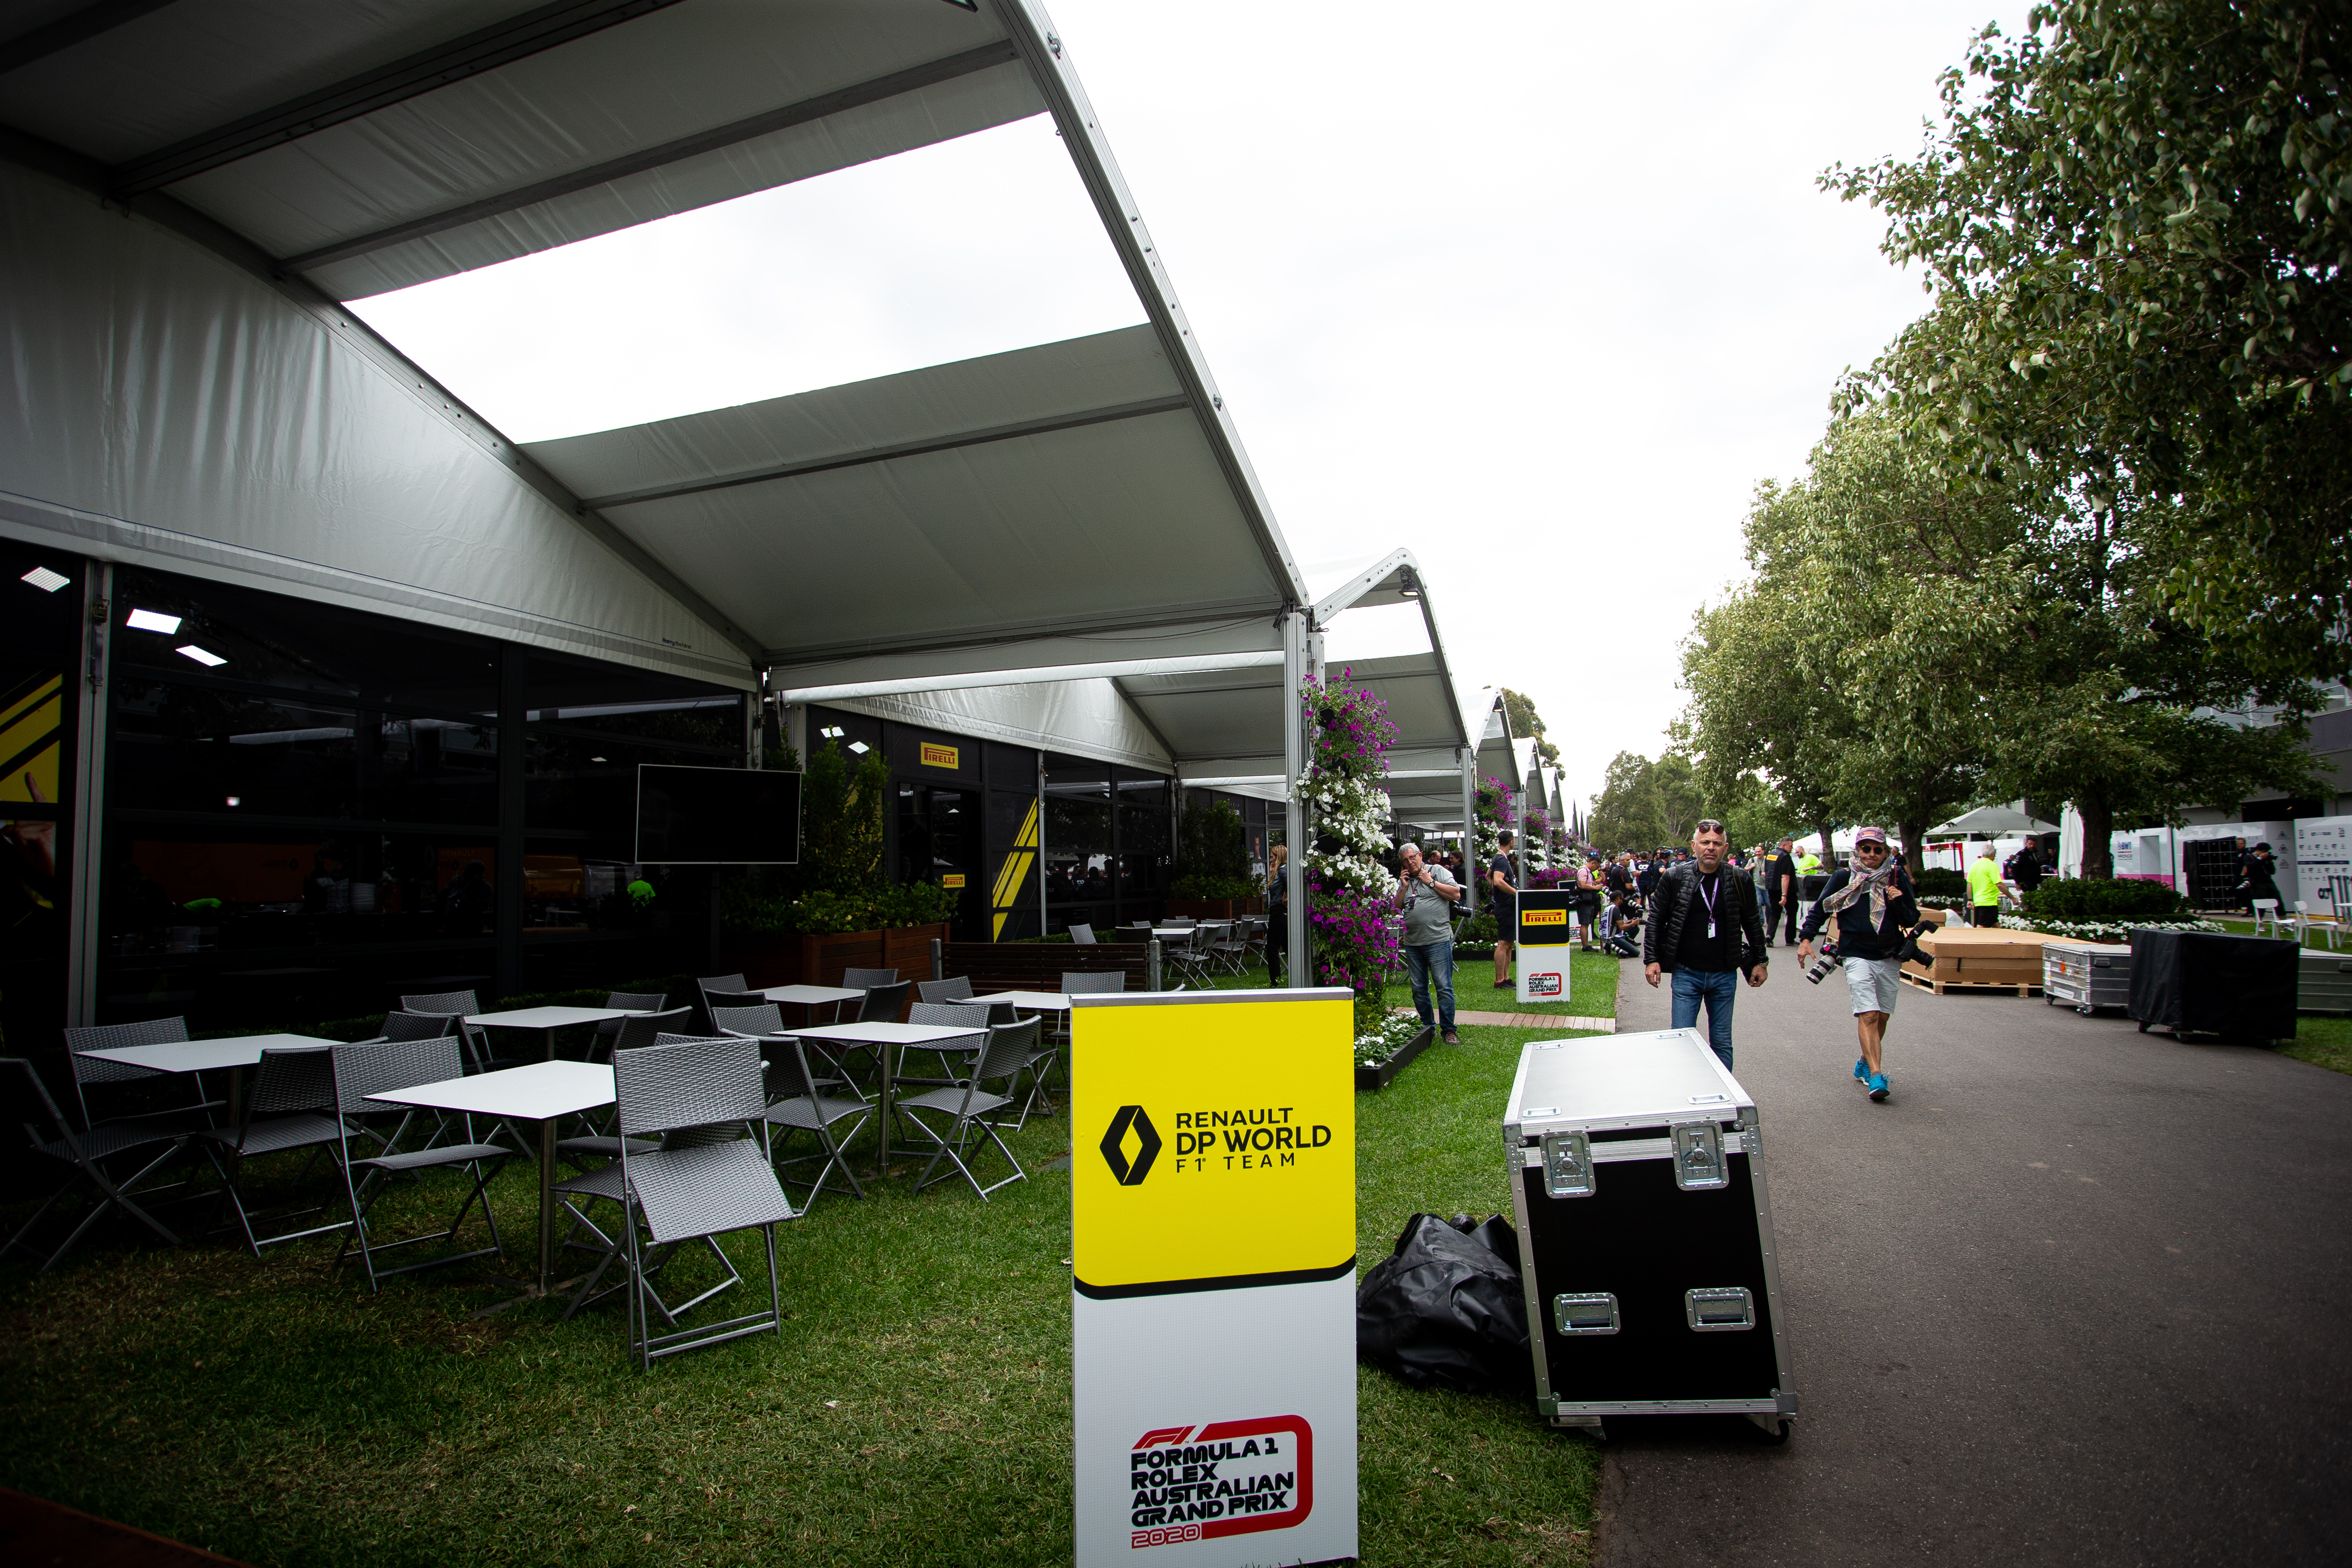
(1870,848)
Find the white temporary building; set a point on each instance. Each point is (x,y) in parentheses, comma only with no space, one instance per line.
(1064,542)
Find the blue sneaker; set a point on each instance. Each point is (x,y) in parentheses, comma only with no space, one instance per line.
(1861,1071)
(1878,1086)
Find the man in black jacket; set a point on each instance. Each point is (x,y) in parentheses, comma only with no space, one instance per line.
(1704,931)
(1873,903)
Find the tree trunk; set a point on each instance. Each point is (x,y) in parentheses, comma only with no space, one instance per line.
(1915,843)
(2098,821)
(1826,856)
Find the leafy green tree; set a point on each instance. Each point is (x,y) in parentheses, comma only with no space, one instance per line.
(1644,803)
(2138,235)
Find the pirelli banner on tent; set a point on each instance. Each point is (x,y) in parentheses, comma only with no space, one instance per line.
(1548,930)
(1213,1289)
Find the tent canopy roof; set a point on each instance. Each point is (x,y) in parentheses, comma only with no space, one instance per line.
(1992,819)
(1069,502)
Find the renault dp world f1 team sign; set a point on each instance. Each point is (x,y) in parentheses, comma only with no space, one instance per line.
(1547,928)
(1213,1278)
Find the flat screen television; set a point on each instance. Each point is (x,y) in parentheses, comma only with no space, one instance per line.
(716,816)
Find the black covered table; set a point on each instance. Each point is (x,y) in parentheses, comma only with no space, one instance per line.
(2239,987)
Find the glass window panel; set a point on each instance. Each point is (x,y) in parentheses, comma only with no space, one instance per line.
(190,748)
(276,640)
(586,790)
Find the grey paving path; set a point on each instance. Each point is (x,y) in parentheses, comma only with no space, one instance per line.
(2074,1294)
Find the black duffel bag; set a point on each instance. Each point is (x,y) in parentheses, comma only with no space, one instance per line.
(1446,1307)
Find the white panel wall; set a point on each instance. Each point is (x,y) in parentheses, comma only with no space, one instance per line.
(163,407)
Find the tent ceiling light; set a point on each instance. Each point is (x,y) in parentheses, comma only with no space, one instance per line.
(151,621)
(47,580)
(860,747)
(209,660)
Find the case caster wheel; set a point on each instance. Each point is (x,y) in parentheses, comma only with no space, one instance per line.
(1774,1429)
(2085,1010)
(2143,1028)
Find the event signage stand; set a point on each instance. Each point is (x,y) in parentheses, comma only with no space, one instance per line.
(1645,1237)
(1547,933)
(1213,1277)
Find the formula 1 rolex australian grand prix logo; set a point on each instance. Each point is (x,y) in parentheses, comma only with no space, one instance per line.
(1228,1478)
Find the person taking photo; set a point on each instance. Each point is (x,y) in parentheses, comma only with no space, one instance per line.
(1704,931)
(1426,893)
(1871,902)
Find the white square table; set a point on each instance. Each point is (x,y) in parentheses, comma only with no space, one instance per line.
(879,1038)
(544,1092)
(211,1055)
(547,1020)
(1035,1000)
(809,996)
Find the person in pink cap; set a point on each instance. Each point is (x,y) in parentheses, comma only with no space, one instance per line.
(1871,902)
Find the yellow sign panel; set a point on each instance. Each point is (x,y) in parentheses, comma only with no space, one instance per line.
(952,880)
(1545,917)
(941,756)
(1215,1141)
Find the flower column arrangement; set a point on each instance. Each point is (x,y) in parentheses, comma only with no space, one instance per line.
(1349,891)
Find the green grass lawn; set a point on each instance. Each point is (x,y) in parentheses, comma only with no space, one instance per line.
(916,1409)
(2323,1042)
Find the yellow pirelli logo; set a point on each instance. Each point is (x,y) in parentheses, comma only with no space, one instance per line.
(1215,1145)
(952,880)
(940,756)
(1543,918)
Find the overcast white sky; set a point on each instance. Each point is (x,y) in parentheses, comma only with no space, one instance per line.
(1539,292)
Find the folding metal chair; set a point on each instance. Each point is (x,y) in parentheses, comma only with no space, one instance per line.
(866,979)
(375,1067)
(884,1003)
(462,1004)
(600,1143)
(291,1107)
(799,1103)
(1082,934)
(601,1047)
(954,988)
(87,1070)
(53,1139)
(1228,948)
(964,1110)
(707,1180)
(725,985)
(972,1015)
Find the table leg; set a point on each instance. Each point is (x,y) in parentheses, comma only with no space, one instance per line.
(546,1207)
(547,1040)
(882,1120)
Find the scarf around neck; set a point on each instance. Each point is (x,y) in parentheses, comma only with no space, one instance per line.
(1876,884)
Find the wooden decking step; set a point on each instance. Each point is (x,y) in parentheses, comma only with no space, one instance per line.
(1527,1020)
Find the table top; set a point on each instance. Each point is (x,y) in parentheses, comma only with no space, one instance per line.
(880,1032)
(206,1055)
(1043,1001)
(811,995)
(537,1092)
(551,1017)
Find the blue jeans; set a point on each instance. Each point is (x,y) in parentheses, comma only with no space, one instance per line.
(1718,988)
(1433,964)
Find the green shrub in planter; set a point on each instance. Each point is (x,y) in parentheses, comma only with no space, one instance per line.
(1478,930)
(2102,898)
(1938,882)
(1205,886)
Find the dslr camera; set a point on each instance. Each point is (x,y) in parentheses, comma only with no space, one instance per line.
(1823,964)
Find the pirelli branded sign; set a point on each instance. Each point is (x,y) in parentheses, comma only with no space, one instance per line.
(940,756)
(1214,1219)
(1548,927)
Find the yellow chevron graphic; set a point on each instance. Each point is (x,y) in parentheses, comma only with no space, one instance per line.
(1012,871)
(31,722)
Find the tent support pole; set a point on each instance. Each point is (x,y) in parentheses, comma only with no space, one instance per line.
(1473,899)
(1294,830)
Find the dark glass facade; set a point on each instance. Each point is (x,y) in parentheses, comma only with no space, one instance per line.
(310,810)
(42,658)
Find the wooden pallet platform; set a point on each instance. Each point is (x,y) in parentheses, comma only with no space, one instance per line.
(1939,987)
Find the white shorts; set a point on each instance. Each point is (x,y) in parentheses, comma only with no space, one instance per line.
(1873,982)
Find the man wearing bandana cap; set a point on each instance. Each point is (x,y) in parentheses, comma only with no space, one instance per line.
(1870,900)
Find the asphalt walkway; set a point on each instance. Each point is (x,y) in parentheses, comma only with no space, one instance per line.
(2074,1294)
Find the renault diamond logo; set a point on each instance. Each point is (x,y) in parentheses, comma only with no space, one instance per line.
(1114,1145)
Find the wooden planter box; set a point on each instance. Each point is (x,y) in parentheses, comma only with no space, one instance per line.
(786,959)
(1216,908)
(1383,1073)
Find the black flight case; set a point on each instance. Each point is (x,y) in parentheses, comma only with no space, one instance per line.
(1646,1236)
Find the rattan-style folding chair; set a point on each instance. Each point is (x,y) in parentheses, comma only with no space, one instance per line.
(368,1120)
(89,1070)
(954,1055)
(291,1107)
(707,1179)
(725,985)
(460,1004)
(1082,934)
(601,1047)
(883,1003)
(954,988)
(377,1066)
(961,1114)
(1230,947)
(867,979)
(798,1103)
(53,1140)
(600,1143)
(1086,982)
